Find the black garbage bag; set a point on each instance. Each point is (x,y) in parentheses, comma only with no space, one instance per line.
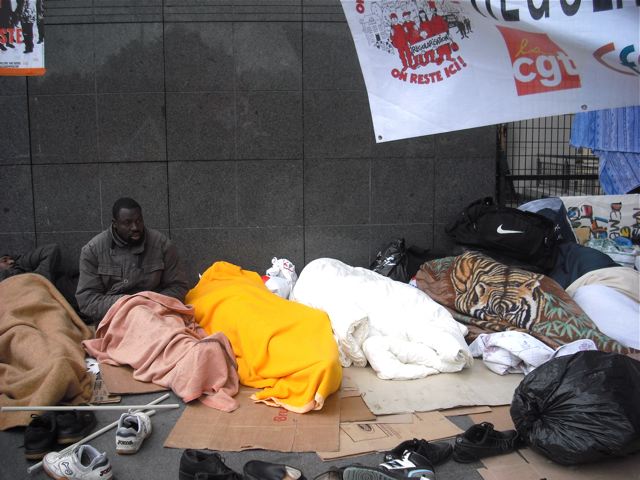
(580,408)
(391,261)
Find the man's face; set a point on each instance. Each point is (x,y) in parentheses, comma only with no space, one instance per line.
(129,225)
(6,262)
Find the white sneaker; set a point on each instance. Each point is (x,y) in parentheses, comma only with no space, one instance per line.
(82,463)
(132,429)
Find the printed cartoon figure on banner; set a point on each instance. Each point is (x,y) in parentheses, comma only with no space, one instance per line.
(21,37)
(422,34)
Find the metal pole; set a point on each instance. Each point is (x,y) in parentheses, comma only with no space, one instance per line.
(34,467)
(45,408)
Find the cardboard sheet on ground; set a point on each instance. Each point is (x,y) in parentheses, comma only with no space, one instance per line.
(394,418)
(528,465)
(472,386)
(367,437)
(119,380)
(353,409)
(256,425)
(500,417)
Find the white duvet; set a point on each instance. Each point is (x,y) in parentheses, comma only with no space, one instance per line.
(397,328)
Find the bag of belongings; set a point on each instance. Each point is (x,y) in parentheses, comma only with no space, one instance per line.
(281,277)
(506,232)
(580,408)
(391,261)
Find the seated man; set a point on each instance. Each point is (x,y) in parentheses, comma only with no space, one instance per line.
(43,260)
(127,258)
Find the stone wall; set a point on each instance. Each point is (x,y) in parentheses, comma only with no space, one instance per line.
(242,128)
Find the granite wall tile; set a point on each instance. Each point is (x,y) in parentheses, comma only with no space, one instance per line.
(199,57)
(337,191)
(270,193)
(129,57)
(63,128)
(201,126)
(268,55)
(14,130)
(201,248)
(269,125)
(337,124)
(330,60)
(460,181)
(202,194)
(131,127)
(66,198)
(16,199)
(472,142)
(402,190)
(349,244)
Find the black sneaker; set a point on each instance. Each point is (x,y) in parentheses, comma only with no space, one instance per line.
(436,453)
(204,465)
(411,465)
(481,441)
(40,436)
(259,470)
(75,425)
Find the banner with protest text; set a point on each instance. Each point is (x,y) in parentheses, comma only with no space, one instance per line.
(434,66)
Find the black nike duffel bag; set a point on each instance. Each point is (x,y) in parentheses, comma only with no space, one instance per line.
(504,231)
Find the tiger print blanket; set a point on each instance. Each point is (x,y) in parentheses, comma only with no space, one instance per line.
(495,297)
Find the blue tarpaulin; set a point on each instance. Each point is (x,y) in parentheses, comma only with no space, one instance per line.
(614,136)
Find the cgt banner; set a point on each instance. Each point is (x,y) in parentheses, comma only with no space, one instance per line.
(22,37)
(444,65)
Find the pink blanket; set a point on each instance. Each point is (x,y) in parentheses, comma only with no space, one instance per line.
(157,336)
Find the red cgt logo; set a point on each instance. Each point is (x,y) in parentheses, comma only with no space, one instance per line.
(539,65)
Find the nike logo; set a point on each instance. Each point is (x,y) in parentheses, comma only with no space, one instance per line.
(503,231)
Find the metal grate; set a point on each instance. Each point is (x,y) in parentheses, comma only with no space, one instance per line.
(537,161)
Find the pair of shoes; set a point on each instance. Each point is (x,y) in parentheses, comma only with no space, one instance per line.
(75,425)
(259,470)
(46,431)
(482,440)
(410,465)
(2,47)
(436,453)
(83,462)
(132,430)
(203,465)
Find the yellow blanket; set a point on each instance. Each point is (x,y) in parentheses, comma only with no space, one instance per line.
(283,347)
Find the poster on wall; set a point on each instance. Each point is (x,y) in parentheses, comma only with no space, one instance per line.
(433,66)
(22,37)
